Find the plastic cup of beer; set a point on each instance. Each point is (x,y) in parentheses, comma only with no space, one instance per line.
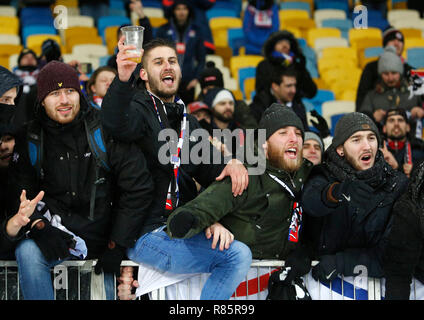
(134,36)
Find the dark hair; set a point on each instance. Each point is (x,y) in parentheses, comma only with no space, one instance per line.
(95,74)
(280,71)
(155,43)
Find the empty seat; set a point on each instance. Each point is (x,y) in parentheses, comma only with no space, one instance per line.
(80,21)
(317,33)
(9,11)
(10,39)
(322,14)
(402,14)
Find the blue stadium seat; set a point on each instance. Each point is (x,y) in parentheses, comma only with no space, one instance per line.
(334,119)
(117,4)
(212,13)
(321,97)
(104,22)
(244,73)
(341,5)
(37,20)
(295,5)
(235,39)
(117,12)
(152,3)
(36,29)
(416,57)
(227,5)
(28,12)
(373,52)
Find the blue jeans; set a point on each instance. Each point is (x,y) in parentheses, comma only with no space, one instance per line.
(35,275)
(195,255)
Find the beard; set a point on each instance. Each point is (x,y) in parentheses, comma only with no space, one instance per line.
(222,117)
(166,94)
(276,159)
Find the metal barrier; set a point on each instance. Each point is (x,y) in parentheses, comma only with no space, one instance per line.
(71,281)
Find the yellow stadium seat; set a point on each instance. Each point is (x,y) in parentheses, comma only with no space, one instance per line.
(73,41)
(8,49)
(292,14)
(296,32)
(157,21)
(243,61)
(35,41)
(249,87)
(348,95)
(80,31)
(321,84)
(303,24)
(4,61)
(360,34)
(238,94)
(317,33)
(323,14)
(325,64)
(413,43)
(361,44)
(311,2)
(67,3)
(340,52)
(9,25)
(111,38)
(411,33)
(219,27)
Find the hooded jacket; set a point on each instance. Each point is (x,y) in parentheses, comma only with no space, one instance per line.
(306,87)
(128,114)
(357,235)
(69,174)
(404,256)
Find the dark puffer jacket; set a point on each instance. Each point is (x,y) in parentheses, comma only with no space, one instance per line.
(356,234)
(306,87)
(404,256)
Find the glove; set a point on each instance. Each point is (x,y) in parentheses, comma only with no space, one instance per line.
(281,290)
(321,125)
(327,269)
(357,192)
(53,242)
(297,263)
(110,261)
(181,224)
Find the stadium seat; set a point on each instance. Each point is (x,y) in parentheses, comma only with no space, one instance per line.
(317,33)
(8,49)
(9,25)
(415,24)
(13,61)
(36,29)
(218,60)
(292,14)
(152,3)
(153,12)
(369,54)
(413,43)
(67,3)
(35,41)
(321,97)
(344,25)
(330,108)
(360,34)
(116,4)
(10,39)
(78,40)
(243,74)
(80,21)
(219,27)
(323,14)
(416,57)
(302,24)
(402,14)
(296,5)
(238,62)
(249,88)
(336,5)
(214,13)
(8,11)
(156,22)
(235,39)
(91,50)
(111,38)
(340,52)
(411,32)
(322,43)
(331,63)
(39,11)
(107,21)
(38,20)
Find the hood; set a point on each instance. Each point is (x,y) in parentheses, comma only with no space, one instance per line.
(416,182)
(261,4)
(177,2)
(8,80)
(276,36)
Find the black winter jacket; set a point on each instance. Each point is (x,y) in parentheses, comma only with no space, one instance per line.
(128,114)
(357,235)
(404,256)
(69,173)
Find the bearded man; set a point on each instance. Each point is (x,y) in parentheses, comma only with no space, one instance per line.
(352,192)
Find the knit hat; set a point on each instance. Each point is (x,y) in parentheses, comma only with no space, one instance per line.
(215,95)
(51,50)
(389,61)
(351,123)
(24,52)
(309,135)
(211,76)
(54,76)
(391,34)
(276,117)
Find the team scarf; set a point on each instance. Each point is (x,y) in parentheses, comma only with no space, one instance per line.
(173,195)
(399,145)
(297,212)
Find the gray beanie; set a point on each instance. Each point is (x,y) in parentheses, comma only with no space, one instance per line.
(309,135)
(389,61)
(351,123)
(278,116)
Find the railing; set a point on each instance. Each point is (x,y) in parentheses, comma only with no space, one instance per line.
(72,280)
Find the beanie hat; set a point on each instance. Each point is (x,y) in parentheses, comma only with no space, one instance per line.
(54,76)
(24,52)
(51,50)
(8,80)
(309,135)
(215,95)
(278,116)
(391,34)
(211,76)
(351,123)
(389,61)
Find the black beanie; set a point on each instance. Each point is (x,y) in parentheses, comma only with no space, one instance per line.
(351,123)
(278,116)
(390,34)
(54,76)
(211,76)
(24,52)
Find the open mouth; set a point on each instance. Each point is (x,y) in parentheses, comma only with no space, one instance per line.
(168,80)
(366,158)
(64,110)
(7,157)
(291,153)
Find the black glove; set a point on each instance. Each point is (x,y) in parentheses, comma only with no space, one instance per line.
(181,224)
(357,192)
(321,125)
(301,60)
(53,242)
(298,262)
(110,261)
(281,290)
(328,268)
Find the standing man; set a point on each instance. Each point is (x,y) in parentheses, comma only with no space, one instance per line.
(140,114)
(99,194)
(353,191)
(406,151)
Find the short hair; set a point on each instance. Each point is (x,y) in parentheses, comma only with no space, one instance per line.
(155,43)
(95,74)
(280,71)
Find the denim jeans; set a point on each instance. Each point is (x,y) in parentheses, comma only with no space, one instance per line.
(195,255)
(35,275)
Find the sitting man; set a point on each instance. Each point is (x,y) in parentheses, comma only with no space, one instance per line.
(353,191)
